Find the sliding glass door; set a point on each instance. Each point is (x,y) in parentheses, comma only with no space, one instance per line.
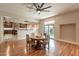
(49,29)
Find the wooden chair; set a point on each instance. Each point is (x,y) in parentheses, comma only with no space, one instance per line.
(46,42)
(32,41)
(28,42)
(45,34)
(32,34)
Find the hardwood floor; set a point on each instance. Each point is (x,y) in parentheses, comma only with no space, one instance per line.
(57,48)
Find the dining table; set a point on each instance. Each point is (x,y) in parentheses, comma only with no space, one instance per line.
(38,39)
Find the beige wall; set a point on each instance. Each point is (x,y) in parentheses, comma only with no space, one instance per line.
(41,24)
(68,32)
(68,18)
(41,27)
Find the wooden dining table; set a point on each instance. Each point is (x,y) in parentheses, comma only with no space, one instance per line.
(38,39)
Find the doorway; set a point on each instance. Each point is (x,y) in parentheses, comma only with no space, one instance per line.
(49,29)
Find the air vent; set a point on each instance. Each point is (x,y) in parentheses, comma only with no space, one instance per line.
(26,21)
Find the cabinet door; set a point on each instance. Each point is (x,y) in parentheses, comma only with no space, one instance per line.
(8,24)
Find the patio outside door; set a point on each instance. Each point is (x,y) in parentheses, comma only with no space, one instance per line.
(49,29)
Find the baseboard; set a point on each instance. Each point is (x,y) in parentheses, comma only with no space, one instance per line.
(69,42)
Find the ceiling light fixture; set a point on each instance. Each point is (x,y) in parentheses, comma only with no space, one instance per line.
(38,12)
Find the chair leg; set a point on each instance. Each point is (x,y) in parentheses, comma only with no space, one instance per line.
(48,46)
(27,47)
(44,46)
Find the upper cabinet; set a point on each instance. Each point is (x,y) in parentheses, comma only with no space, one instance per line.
(14,25)
(8,24)
(22,25)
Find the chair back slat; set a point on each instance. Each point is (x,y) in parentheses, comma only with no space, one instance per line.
(27,37)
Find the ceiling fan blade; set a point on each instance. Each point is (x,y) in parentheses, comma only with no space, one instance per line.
(42,5)
(26,21)
(46,7)
(35,5)
(30,7)
(45,10)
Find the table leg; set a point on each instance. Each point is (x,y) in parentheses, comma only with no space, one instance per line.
(38,46)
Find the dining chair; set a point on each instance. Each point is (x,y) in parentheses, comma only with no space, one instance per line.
(32,34)
(46,42)
(28,42)
(33,42)
(45,34)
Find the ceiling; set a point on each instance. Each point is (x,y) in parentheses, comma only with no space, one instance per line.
(22,11)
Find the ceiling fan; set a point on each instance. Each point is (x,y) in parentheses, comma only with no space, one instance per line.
(39,7)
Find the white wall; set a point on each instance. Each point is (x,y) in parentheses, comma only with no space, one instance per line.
(22,33)
(1,28)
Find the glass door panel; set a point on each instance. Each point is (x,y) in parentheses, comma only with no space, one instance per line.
(46,29)
(49,29)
